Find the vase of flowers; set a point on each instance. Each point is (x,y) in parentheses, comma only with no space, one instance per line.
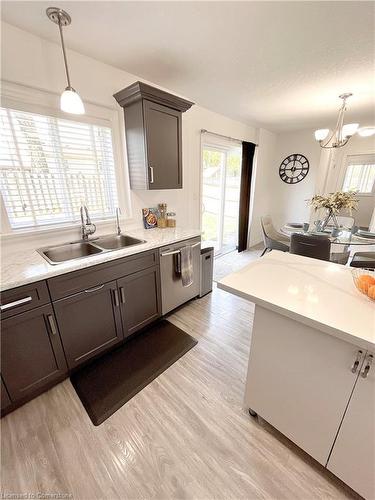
(334,203)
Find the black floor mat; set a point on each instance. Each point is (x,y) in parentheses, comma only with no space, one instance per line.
(109,382)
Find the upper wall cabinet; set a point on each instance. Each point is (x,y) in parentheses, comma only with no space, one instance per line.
(153,128)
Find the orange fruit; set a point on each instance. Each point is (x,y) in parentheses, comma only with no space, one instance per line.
(371,292)
(364,282)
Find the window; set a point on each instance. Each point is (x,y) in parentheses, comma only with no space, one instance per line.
(50,166)
(360,174)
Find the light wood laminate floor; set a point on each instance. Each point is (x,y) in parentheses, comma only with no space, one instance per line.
(185,436)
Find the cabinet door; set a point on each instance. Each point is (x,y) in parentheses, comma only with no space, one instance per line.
(31,355)
(299,380)
(89,322)
(353,455)
(140,299)
(5,399)
(163,139)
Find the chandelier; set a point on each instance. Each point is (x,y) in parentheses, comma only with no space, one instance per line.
(341,133)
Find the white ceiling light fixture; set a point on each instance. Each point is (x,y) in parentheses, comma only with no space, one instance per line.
(366,131)
(70,101)
(341,133)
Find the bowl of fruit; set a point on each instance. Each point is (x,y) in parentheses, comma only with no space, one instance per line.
(364,280)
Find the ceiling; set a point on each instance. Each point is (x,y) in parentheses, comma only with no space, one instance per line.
(280,65)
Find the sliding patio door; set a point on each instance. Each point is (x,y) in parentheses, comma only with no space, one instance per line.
(221,176)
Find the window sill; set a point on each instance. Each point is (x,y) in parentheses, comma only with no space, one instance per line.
(64,229)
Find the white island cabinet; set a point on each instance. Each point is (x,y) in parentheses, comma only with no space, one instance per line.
(310,371)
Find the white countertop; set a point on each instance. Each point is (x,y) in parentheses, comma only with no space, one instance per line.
(316,293)
(27,266)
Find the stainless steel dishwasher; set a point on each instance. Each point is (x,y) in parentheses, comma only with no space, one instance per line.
(173,294)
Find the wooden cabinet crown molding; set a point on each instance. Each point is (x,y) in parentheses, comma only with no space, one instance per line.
(140,90)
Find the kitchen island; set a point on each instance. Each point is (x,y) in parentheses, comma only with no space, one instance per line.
(310,371)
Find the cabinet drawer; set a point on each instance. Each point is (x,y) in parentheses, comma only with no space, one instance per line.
(71,283)
(24,298)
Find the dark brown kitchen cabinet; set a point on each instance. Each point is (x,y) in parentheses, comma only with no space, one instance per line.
(89,322)
(140,299)
(153,128)
(31,352)
(5,399)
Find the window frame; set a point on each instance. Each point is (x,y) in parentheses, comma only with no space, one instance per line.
(347,164)
(28,99)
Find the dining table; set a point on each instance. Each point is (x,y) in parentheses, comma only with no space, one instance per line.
(340,236)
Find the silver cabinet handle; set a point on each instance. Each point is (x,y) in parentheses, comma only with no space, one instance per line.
(95,289)
(367,367)
(122,295)
(16,303)
(151,174)
(356,362)
(52,324)
(115,296)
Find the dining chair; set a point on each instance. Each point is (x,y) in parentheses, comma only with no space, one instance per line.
(365,260)
(314,246)
(340,257)
(273,240)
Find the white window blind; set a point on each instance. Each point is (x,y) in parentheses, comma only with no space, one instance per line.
(50,166)
(360,174)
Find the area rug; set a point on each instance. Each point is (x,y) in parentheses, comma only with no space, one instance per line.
(107,383)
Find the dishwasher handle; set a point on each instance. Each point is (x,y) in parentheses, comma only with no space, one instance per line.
(174,252)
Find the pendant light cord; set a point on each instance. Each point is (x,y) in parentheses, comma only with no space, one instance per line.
(64,53)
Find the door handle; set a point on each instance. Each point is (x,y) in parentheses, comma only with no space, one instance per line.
(115,296)
(122,295)
(367,367)
(356,362)
(95,289)
(151,174)
(174,252)
(16,303)
(51,323)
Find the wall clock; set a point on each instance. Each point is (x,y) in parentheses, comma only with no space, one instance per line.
(294,168)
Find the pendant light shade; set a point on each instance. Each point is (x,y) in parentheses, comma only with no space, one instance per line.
(366,131)
(321,134)
(349,129)
(70,101)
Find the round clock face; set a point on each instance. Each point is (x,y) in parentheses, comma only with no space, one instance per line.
(294,168)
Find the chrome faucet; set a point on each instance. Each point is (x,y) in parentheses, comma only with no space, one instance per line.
(118,212)
(87,227)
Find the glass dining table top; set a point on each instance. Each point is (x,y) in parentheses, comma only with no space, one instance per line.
(344,237)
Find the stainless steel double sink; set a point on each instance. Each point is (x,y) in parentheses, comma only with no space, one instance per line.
(81,249)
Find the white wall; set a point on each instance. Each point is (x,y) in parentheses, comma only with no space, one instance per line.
(272,196)
(32,61)
(261,190)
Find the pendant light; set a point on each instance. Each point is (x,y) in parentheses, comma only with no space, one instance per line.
(70,101)
(342,133)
